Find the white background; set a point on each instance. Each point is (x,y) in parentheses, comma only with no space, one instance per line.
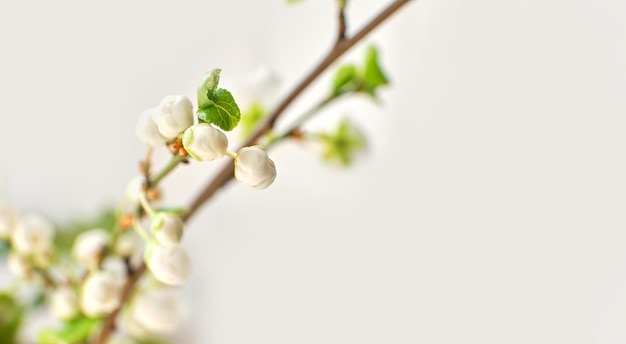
(490,208)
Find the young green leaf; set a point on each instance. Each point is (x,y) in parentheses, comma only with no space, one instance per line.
(345,78)
(207,87)
(222,110)
(76,330)
(373,75)
(11,316)
(341,145)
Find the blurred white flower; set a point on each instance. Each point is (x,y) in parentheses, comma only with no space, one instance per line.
(19,265)
(32,234)
(101,293)
(147,130)
(173,116)
(167,228)
(64,303)
(117,267)
(158,311)
(205,142)
(254,167)
(169,265)
(90,245)
(127,244)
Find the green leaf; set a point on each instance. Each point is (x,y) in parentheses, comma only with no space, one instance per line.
(221,111)
(74,331)
(11,316)
(251,117)
(292,2)
(373,75)
(345,78)
(207,87)
(5,247)
(341,146)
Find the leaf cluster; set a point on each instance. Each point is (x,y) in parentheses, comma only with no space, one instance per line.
(216,105)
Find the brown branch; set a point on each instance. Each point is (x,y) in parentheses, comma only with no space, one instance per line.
(227,172)
(342,26)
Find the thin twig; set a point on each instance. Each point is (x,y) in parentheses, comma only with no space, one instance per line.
(226,174)
(342,26)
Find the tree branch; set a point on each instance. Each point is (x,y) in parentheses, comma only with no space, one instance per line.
(227,172)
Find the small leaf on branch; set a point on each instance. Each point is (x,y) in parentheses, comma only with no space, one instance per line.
(222,110)
(345,79)
(373,75)
(74,331)
(342,145)
(207,87)
(11,316)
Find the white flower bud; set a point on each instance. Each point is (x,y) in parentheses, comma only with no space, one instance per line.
(101,293)
(64,303)
(174,115)
(19,265)
(90,245)
(127,244)
(134,188)
(254,167)
(133,327)
(147,129)
(32,234)
(117,267)
(8,219)
(167,228)
(158,311)
(205,142)
(169,265)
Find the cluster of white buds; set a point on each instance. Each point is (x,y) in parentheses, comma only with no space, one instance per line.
(30,236)
(166,121)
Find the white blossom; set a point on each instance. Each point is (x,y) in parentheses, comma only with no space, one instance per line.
(158,311)
(64,303)
(117,267)
(8,219)
(101,293)
(169,265)
(32,234)
(127,244)
(147,130)
(205,142)
(254,167)
(19,265)
(173,116)
(90,245)
(167,228)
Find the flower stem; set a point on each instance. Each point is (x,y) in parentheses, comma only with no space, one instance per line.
(176,159)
